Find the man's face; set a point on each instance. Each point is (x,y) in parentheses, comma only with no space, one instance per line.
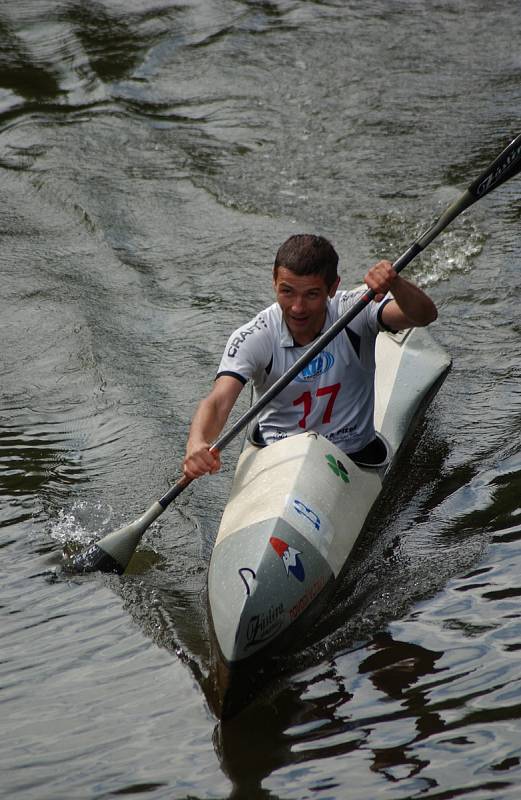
(303,300)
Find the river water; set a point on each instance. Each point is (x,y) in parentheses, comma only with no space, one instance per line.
(153,155)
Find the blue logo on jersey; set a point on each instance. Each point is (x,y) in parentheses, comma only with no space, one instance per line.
(317,366)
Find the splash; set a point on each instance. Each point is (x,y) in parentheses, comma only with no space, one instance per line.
(81,525)
(454,251)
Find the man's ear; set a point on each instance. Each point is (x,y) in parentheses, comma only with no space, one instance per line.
(334,287)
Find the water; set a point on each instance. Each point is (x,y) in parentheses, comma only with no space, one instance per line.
(152,158)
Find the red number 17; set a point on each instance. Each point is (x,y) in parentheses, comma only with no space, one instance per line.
(307,401)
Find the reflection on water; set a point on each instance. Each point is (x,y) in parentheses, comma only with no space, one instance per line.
(311,719)
(27,462)
(152,159)
(392,700)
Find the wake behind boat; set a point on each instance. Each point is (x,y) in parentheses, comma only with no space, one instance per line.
(295,511)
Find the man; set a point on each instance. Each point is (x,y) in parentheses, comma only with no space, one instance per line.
(334,395)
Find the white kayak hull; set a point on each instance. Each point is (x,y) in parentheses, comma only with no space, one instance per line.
(295,511)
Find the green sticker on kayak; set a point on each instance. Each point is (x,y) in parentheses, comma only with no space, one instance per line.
(338,468)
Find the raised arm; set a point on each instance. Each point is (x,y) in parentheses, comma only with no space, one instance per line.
(207,423)
(411,307)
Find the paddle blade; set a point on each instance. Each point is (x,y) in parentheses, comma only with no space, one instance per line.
(94,559)
(504,167)
(114,551)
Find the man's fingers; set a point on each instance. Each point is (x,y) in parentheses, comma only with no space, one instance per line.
(202,462)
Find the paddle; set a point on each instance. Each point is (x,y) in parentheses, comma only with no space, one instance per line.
(114,551)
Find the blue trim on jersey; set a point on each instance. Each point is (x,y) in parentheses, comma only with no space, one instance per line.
(236,375)
(354,338)
(379,317)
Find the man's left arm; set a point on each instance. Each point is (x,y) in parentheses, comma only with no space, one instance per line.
(411,306)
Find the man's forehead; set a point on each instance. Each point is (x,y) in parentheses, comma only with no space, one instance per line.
(284,275)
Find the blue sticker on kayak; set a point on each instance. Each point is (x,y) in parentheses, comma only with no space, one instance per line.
(307,512)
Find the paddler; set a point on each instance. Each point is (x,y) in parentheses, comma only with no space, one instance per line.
(334,393)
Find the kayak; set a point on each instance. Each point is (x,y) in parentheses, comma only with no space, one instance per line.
(295,511)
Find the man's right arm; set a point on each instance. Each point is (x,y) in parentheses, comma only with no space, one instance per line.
(208,422)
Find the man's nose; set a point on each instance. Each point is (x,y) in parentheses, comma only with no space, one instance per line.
(298,304)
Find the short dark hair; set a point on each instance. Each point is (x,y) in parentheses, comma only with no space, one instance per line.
(306,254)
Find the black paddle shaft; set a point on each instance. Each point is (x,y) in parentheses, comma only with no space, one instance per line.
(505,166)
(114,551)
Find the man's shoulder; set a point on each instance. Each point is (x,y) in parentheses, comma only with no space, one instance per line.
(367,318)
(345,298)
(258,330)
(265,320)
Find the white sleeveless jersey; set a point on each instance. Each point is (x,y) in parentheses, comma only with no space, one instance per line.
(333,394)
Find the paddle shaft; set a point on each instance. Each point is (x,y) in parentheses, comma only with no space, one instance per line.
(505,166)
(114,551)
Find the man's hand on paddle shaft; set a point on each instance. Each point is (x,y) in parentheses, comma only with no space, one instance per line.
(208,422)
(199,460)
(380,279)
(410,306)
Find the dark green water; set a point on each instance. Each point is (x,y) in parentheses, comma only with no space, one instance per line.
(153,155)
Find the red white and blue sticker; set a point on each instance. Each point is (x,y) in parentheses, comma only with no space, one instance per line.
(290,558)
